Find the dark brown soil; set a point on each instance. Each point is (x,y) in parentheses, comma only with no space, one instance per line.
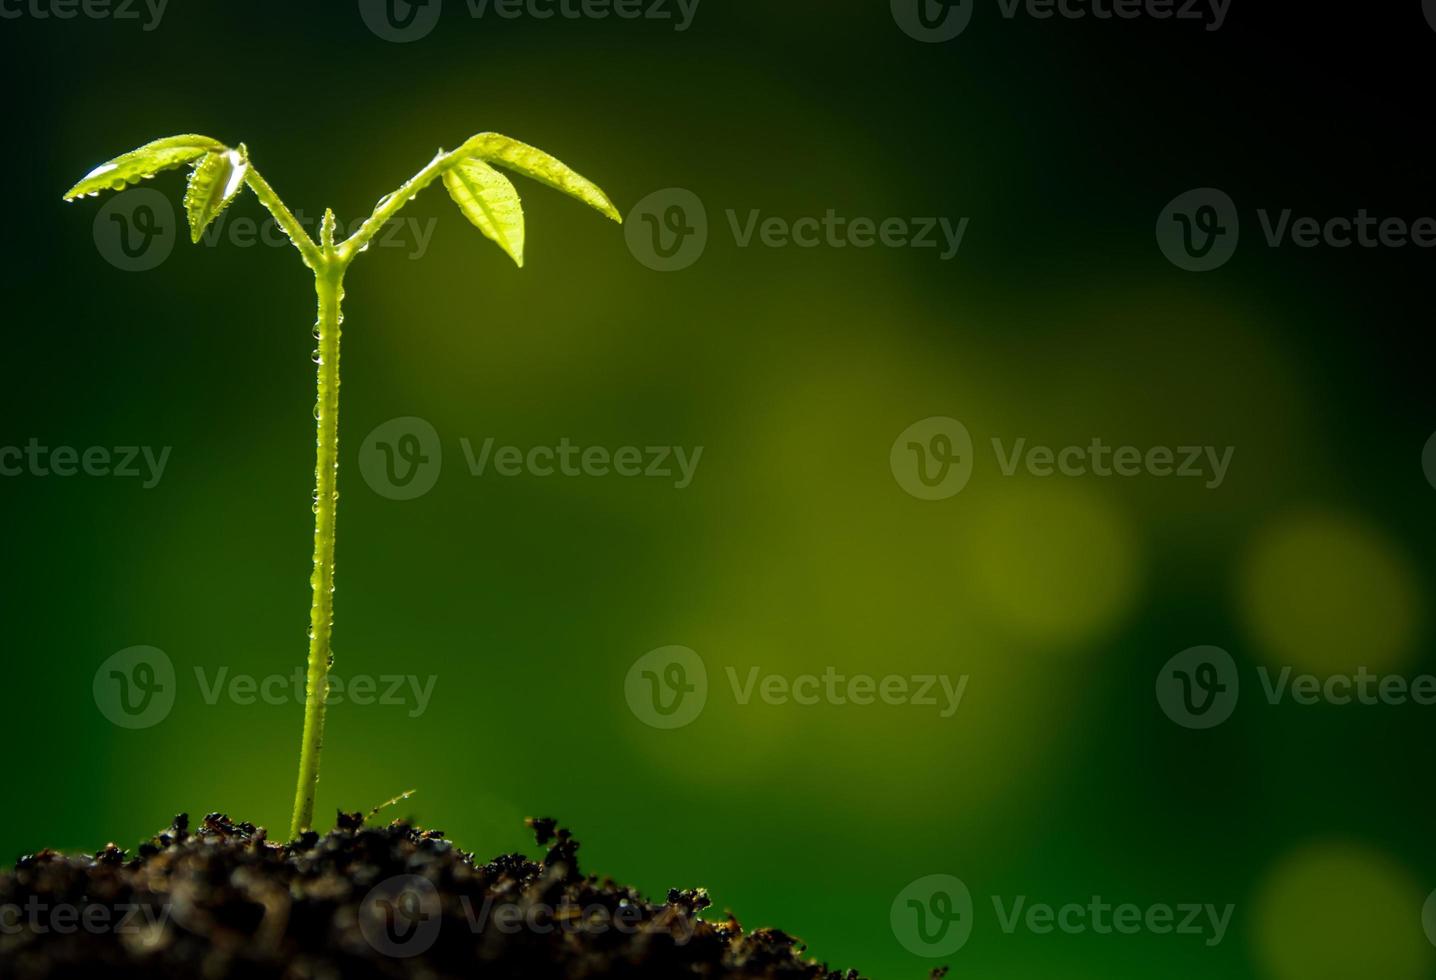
(223,902)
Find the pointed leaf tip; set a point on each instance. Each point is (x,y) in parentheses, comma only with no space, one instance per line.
(212,186)
(142,163)
(538,165)
(491,202)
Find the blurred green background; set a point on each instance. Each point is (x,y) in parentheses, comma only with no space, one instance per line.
(794,549)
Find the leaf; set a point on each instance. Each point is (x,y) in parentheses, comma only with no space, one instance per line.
(491,202)
(533,162)
(143,163)
(215,181)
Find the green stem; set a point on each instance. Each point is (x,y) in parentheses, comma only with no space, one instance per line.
(286,220)
(329,284)
(390,205)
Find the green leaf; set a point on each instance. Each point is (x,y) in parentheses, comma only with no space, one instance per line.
(215,181)
(143,163)
(491,202)
(535,163)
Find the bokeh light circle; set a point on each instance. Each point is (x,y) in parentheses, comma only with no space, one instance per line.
(1337,910)
(1327,594)
(1052,564)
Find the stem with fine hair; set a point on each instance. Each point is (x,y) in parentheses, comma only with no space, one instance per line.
(329,285)
(286,220)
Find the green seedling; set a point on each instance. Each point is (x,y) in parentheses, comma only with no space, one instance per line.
(486,197)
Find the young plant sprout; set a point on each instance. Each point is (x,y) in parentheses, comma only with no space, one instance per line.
(486,197)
